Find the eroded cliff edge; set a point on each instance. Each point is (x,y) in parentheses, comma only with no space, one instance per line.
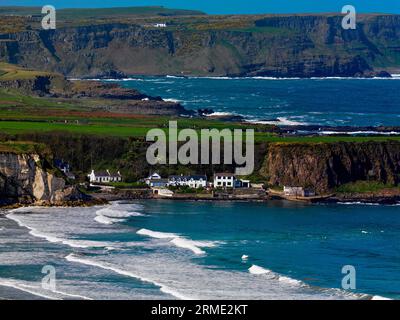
(28,178)
(280,46)
(325,166)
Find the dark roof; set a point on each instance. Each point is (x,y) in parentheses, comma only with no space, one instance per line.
(198,177)
(101,174)
(224,174)
(158,180)
(106,174)
(186,178)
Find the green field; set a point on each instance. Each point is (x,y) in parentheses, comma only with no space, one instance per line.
(22,113)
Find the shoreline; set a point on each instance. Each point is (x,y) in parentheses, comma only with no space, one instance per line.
(106,198)
(13,293)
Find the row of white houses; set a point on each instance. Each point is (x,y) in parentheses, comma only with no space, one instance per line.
(221,180)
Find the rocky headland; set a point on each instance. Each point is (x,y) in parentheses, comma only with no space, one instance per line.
(258,45)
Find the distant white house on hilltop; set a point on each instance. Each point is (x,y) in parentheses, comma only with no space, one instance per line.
(104,176)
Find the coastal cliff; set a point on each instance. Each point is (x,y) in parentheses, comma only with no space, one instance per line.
(325,166)
(28,178)
(281,46)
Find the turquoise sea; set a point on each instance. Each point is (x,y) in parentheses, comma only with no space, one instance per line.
(164,249)
(333,102)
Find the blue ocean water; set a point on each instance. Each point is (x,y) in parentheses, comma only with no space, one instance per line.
(336,102)
(204,250)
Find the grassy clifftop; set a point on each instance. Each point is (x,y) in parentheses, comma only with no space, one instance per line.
(22,147)
(99,13)
(10,72)
(93,42)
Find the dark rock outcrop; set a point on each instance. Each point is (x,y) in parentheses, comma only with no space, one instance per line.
(324,166)
(280,46)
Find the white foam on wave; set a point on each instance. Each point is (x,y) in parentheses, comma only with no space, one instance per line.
(38,291)
(380,298)
(107,220)
(172,100)
(281,121)
(177,240)
(189,244)
(157,234)
(113,212)
(254,269)
(73,258)
(54,239)
(370,132)
(359,203)
(110,215)
(220,114)
(257,270)
(260,271)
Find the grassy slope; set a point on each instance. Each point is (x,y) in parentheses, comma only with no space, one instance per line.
(19,147)
(21,114)
(12,72)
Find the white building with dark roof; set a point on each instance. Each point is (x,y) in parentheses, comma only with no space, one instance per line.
(229,180)
(104,176)
(191,181)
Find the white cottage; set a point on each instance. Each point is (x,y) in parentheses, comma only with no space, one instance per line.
(229,180)
(104,176)
(192,181)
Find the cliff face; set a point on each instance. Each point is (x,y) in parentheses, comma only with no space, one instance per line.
(23,180)
(324,166)
(276,46)
(39,85)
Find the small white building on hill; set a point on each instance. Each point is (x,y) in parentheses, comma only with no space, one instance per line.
(104,176)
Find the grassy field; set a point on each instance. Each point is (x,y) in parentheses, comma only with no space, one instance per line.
(139,129)
(365,187)
(20,113)
(13,72)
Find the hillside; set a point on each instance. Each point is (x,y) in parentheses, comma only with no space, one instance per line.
(251,45)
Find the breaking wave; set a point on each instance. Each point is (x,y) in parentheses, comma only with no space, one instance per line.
(177,240)
(74,258)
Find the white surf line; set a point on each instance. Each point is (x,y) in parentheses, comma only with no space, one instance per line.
(72,243)
(29,289)
(13,285)
(72,295)
(257,270)
(73,258)
(179,241)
